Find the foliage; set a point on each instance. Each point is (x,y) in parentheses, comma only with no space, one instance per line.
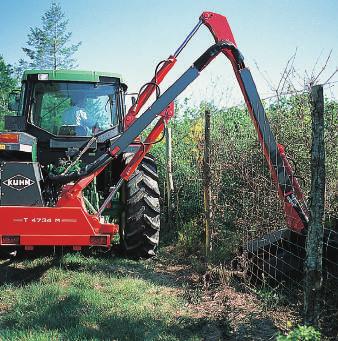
(49,46)
(190,237)
(301,333)
(271,298)
(7,84)
(244,197)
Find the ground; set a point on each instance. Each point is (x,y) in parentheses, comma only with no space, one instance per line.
(99,297)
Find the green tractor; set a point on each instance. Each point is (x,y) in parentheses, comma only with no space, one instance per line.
(62,122)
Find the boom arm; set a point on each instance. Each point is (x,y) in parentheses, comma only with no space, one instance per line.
(288,188)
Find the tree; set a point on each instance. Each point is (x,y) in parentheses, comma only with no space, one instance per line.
(49,47)
(7,84)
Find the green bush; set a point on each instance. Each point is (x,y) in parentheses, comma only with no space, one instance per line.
(190,238)
(301,333)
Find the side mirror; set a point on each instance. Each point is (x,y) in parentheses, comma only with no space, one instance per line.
(14,101)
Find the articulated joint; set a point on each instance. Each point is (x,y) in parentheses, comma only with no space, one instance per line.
(214,50)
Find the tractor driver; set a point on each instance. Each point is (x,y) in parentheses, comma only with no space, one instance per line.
(76,115)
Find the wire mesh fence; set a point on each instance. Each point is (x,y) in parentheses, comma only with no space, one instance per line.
(248,218)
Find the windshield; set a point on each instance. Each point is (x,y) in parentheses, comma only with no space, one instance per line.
(76,109)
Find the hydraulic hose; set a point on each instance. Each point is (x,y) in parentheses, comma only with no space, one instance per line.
(214,50)
(87,170)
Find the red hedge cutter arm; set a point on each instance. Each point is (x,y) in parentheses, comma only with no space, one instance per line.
(288,187)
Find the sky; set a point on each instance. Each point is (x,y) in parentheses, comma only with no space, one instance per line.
(130,37)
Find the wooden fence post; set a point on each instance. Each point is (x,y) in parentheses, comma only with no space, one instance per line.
(207,184)
(169,175)
(314,241)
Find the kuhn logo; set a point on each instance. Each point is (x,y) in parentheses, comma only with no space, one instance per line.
(19,182)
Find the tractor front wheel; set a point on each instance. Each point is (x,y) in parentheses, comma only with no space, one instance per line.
(140,217)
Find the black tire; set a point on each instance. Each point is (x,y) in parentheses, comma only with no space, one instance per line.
(6,252)
(140,218)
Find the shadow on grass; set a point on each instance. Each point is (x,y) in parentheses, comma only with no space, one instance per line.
(119,267)
(71,317)
(29,267)
(48,310)
(12,272)
(68,307)
(53,315)
(256,328)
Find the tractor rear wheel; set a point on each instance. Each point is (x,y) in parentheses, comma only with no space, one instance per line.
(140,217)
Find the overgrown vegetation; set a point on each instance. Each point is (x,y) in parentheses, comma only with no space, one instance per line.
(243,192)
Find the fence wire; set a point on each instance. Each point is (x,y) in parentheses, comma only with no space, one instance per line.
(248,219)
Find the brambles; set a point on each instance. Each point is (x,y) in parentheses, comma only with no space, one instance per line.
(244,197)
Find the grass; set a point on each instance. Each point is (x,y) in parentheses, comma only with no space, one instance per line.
(73,297)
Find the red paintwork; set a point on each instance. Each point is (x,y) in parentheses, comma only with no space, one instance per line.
(288,169)
(53,225)
(71,194)
(115,151)
(166,115)
(138,157)
(169,112)
(218,26)
(220,29)
(292,217)
(67,224)
(148,91)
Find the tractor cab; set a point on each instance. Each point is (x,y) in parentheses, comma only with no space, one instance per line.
(63,109)
(68,103)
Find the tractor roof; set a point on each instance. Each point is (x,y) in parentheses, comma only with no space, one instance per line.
(73,75)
